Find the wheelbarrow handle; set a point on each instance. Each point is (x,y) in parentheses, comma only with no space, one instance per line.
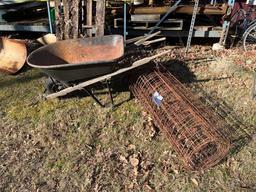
(107,76)
(147,37)
(154,41)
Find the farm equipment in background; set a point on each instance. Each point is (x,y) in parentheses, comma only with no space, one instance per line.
(174,18)
(30,16)
(206,19)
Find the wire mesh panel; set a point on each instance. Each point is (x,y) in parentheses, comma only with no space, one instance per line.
(193,129)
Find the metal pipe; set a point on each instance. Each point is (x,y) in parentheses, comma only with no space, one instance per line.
(171,9)
(49,16)
(192,24)
(125,22)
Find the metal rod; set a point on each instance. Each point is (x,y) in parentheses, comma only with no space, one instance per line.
(94,97)
(49,16)
(165,16)
(110,93)
(125,22)
(226,23)
(191,30)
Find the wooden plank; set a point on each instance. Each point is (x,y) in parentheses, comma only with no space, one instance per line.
(132,40)
(154,41)
(169,24)
(100,17)
(147,37)
(145,17)
(183,9)
(80,86)
(89,17)
(204,9)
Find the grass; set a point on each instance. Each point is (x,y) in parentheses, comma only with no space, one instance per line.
(73,144)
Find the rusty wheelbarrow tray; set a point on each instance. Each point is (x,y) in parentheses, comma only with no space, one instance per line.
(77,60)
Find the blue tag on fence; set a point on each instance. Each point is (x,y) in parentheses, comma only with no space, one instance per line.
(157,98)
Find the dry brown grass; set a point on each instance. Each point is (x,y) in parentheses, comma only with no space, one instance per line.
(74,145)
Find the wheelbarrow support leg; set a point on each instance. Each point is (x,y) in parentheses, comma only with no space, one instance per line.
(110,93)
(94,97)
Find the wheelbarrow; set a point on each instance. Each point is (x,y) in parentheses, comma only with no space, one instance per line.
(76,64)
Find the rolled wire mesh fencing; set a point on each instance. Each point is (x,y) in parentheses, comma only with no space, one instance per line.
(192,128)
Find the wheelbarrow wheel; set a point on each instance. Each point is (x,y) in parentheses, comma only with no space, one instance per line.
(52,86)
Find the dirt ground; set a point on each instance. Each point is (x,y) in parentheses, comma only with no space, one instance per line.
(73,144)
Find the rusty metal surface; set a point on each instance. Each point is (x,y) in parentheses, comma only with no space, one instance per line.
(13,54)
(193,130)
(78,52)
(78,60)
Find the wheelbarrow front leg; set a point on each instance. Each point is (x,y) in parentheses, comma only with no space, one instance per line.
(93,96)
(108,81)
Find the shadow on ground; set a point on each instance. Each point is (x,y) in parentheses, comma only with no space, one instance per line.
(21,79)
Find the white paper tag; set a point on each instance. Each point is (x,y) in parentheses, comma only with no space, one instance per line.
(157,98)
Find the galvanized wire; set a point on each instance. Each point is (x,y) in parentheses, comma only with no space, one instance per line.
(193,129)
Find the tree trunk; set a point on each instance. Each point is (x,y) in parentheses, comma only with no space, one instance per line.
(100,17)
(67,21)
(59,20)
(69,18)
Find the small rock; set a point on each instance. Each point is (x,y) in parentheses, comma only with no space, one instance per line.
(175,171)
(225,75)
(144,114)
(194,181)
(1,114)
(123,159)
(131,186)
(134,161)
(131,147)
(254,136)
(135,171)
(249,62)
(217,47)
